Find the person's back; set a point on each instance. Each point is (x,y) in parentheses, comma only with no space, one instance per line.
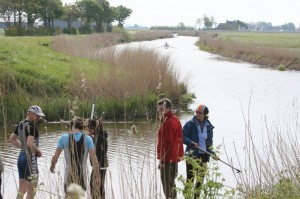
(76,147)
(77,162)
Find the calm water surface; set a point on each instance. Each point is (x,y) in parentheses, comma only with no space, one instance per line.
(229,89)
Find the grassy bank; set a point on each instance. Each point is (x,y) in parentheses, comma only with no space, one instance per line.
(265,49)
(125,83)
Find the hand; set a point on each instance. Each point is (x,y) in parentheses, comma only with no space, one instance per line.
(161,166)
(194,145)
(52,169)
(38,153)
(97,181)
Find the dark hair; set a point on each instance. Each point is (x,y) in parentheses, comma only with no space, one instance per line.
(166,102)
(92,123)
(77,122)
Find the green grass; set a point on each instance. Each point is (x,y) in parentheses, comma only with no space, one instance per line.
(280,40)
(35,54)
(33,73)
(1,32)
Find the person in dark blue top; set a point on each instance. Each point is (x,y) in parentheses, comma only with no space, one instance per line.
(198,133)
(26,137)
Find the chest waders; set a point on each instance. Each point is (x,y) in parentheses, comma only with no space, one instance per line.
(31,157)
(76,150)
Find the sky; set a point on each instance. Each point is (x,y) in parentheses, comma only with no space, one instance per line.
(172,12)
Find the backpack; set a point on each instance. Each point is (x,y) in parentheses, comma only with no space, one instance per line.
(76,150)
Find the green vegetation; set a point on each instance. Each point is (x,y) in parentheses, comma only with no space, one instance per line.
(32,73)
(124,82)
(89,11)
(2,32)
(278,40)
(265,49)
(212,182)
(281,67)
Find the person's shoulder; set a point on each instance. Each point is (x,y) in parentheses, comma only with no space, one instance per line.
(88,138)
(64,136)
(28,122)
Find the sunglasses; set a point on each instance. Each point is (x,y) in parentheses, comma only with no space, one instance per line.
(198,112)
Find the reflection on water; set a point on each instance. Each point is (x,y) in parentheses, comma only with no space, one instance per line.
(227,88)
(132,169)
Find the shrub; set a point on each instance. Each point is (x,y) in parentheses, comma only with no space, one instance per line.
(85,29)
(14,31)
(70,30)
(281,67)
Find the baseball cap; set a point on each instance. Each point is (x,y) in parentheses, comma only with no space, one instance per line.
(36,110)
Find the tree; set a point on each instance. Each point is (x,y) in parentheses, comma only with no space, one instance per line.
(50,10)
(6,11)
(90,10)
(121,14)
(108,15)
(288,27)
(207,22)
(198,23)
(71,14)
(31,9)
(181,26)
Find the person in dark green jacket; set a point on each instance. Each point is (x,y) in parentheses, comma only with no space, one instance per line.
(198,133)
(99,137)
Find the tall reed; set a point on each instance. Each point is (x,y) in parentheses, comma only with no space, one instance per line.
(272,163)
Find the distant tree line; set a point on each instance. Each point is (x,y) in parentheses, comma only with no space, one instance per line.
(266,26)
(94,15)
(180,26)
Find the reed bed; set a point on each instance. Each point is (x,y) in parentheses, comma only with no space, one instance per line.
(264,54)
(135,75)
(272,163)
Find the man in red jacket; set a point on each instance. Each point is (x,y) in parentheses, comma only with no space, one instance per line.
(169,147)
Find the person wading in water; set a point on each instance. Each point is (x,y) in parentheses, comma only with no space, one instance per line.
(28,135)
(99,137)
(76,148)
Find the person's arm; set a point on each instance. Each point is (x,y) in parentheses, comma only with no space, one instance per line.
(94,160)
(186,135)
(33,147)
(55,159)
(95,166)
(167,140)
(14,140)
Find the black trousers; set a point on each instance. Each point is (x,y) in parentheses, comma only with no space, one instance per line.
(0,185)
(190,176)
